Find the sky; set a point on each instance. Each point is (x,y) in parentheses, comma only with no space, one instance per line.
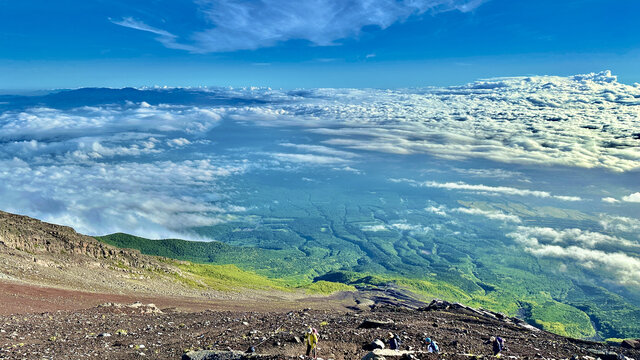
(313,43)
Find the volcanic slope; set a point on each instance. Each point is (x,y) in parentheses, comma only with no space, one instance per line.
(33,253)
(38,253)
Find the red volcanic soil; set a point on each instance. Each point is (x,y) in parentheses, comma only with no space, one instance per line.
(47,323)
(20,298)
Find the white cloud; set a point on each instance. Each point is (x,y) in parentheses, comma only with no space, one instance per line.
(310,159)
(164,37)
(536,235)
(610,200)
(53,124)
(491,173)
(620,223)
(624,268)
(580,247)
(438,210)
(485,189)
(399,226)
(635,197)
(375,228)
(584,121)
(148,199)
(178,142)
(570,122)
(493,215)
(240,25)
(320,149)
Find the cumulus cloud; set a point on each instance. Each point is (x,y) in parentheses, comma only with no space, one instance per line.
(485,189)
(493,215)
(610,200)
(248,25)
(438,210)
(53,124)
(141,198)
(620,224)
(178,142)
(580,247)
(585,121)
(89,167)
(583,238)
(624,268)
(635,197)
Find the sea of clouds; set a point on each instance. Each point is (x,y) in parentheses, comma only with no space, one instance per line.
(150,167)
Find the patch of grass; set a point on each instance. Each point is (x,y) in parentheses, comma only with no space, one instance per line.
(227,277)
(327,287)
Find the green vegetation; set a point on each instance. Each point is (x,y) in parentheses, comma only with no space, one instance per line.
(323,244)
(328,287)
(228,277)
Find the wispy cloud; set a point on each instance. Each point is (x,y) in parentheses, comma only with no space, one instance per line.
(248,25)
(493,215)
(485,189)
(164,37)
(311,159)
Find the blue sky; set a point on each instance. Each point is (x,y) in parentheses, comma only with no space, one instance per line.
(315,43)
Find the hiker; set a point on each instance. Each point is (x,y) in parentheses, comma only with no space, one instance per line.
(432,346)
(311,340)
(394,341)
(498,345)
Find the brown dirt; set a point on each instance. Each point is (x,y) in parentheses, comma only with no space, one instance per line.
(62,324)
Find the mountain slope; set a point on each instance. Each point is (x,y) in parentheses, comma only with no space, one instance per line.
(52,255)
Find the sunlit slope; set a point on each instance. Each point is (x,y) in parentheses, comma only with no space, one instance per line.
(511,283)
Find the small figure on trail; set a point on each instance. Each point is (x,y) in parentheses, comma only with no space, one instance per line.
(498,345)
(311,340)
(432,346)
(394,341)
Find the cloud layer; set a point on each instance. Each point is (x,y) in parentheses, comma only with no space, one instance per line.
(585,121)
(609,255)
(249,25)
(95,167)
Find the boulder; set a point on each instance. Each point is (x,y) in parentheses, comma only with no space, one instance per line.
(373,356)
(631,344)
(604,355)
(375,324)
(377,344)
(220,355)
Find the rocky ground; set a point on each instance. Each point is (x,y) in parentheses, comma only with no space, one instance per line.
(115,331)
